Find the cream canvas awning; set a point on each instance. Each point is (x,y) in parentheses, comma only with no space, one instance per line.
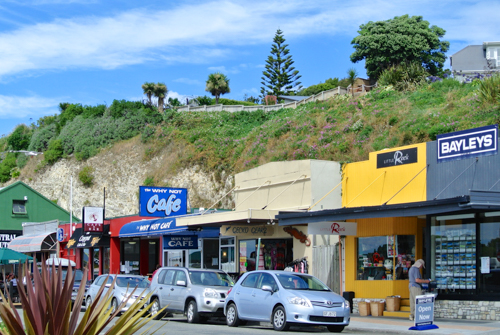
(255,216)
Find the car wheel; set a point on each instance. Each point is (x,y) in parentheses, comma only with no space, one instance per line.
(279,319)
(114,305)
(88,302)
(155,310)
(192,312)
(335,329)
(232,318)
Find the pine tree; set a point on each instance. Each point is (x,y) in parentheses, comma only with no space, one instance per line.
(279,77)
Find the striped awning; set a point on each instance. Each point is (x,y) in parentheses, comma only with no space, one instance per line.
(33,243)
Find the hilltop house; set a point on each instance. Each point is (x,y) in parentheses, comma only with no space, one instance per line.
(475,59)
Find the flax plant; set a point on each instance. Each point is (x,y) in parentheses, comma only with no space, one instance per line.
(48,309)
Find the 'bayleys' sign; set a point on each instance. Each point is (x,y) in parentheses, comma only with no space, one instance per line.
(162,201)
(394,158)
(466,143)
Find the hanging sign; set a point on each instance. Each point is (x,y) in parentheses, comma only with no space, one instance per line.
(162,201)
(93,219)
(466,143)
(333,228)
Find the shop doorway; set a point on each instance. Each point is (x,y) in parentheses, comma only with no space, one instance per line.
(175,258)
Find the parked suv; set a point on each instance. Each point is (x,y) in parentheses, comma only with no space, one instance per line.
(198,293)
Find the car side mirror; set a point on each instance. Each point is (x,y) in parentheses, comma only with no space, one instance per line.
(181,283)
(267,288)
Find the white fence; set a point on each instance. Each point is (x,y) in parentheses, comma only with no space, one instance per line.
(325,95)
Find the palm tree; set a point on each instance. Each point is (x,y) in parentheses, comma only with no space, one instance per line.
(148,89)
(352,74)
(160,91)
(217,84)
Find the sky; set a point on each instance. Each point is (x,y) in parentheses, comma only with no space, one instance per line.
(95,51)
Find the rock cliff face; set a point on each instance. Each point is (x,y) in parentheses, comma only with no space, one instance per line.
(120,170)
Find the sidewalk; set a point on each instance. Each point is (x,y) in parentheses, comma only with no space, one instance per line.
(400,326)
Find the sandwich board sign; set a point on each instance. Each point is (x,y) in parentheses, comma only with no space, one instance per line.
(424,312)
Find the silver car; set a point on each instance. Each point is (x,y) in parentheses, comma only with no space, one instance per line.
(125,285)
(285,298)
(199,293)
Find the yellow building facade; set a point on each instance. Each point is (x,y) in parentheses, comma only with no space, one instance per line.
(378,257)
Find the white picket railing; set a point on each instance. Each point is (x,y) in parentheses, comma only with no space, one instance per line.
(322,96)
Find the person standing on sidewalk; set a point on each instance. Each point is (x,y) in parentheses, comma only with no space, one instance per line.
(415,287)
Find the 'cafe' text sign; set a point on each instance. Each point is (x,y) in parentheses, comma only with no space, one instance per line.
(162,201)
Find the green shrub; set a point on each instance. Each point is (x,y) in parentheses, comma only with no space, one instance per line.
(404,77)
(42,136)
(489,89)
(86,175)
(20,138)
(149,181)
(6,167)
(54,152)
(21,161)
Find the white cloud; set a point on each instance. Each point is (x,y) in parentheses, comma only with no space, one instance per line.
(196,32)
(17,107)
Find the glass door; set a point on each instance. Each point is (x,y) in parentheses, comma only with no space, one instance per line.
(175,258)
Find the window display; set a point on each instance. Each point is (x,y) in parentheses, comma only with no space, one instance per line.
(385,257)
(273,255)
(454,260)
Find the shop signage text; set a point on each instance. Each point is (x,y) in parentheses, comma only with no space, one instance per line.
(6,238)
(472,142)
(181,242)
(394,158)
(162,201)
(424,310)
(247,230)
(333,228)
(93,219)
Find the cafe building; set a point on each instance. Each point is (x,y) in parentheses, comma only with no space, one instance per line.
(439,201)
(259,195)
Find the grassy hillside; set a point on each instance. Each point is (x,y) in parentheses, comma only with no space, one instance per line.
(342,129)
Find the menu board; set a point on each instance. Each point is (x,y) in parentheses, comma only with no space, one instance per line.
(456,259)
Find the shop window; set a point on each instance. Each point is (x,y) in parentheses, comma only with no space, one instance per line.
(273,255)
(194,259)
(106,261)
(490,256)
(95,260)
(211,253)
(227,254)
(19,207)
(385,257)
(453,254)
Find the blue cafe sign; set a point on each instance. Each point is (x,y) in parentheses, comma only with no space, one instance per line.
(468,143)
(180,242)
(162,201)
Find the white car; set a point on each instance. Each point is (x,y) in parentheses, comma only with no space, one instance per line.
(125,285)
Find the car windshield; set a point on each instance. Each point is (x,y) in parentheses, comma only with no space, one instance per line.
(78,274)
(132,282)
(294,281)
(210,278)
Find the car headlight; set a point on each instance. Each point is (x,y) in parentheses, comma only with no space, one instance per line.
(211,293)
(346,304)
(299,301)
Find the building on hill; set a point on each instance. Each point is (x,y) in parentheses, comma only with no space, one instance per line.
(20,208)
(475,59)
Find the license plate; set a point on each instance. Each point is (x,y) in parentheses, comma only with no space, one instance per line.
(329,313)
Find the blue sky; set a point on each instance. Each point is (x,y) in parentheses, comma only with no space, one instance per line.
(94,51)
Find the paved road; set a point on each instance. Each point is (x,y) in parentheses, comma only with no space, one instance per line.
(179,325)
